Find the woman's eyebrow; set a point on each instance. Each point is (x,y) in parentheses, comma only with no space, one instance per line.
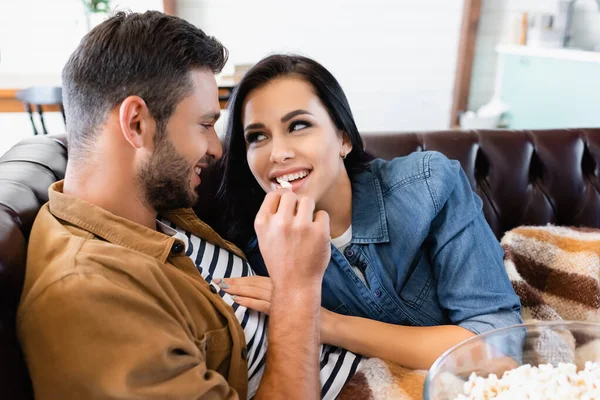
(292,114)
(285,118)
(254,126)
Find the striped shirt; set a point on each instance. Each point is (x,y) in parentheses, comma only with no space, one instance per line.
(337,365)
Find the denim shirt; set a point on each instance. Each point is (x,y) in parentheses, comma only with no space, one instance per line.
(428,255)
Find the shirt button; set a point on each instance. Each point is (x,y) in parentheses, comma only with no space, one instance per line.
(213,289)
(378,293)
(177,247)
(244,353)
(349,252)
(363,265)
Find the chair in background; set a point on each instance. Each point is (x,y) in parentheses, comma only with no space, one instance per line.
(38,96)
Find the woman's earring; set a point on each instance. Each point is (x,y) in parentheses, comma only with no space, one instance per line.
(343,155)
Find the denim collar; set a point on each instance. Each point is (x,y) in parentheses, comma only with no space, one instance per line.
(369,221)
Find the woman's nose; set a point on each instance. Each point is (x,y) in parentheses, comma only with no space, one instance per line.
(281,151)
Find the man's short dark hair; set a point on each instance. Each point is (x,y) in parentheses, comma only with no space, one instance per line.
(149,55)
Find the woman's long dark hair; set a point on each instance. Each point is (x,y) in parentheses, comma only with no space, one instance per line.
(239,192)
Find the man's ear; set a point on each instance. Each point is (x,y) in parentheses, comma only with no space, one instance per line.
(137,125)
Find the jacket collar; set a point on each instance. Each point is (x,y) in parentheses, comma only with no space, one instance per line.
(129,234)
(369,221)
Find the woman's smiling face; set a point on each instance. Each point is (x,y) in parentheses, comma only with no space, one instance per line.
(291,137)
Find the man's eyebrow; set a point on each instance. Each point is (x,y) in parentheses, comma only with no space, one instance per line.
(254,126)
(212,116)
(292,114)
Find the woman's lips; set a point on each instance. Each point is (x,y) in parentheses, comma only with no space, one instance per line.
(293,185)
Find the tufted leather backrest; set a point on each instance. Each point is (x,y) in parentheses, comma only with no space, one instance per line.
(523,177)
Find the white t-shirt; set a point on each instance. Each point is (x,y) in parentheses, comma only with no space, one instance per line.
(341,243)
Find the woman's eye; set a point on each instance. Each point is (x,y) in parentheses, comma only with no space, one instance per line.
(255,137)
(208,127)
(297,125)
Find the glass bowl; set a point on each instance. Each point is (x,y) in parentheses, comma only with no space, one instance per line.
(504,349)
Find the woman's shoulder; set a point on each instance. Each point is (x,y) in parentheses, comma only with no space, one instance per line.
(417,166)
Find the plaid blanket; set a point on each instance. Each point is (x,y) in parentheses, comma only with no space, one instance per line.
(554,270)
(379,379)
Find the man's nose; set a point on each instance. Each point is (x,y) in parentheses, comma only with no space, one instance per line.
(215,148)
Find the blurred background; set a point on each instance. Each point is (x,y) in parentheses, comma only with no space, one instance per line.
(405,65)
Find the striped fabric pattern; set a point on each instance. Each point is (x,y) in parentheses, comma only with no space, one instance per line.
(555,271)
(337,365)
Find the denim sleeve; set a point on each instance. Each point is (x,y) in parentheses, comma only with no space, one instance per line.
(472,283)
(255,259)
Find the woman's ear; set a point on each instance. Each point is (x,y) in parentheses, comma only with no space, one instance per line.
(346,143)
(136,122)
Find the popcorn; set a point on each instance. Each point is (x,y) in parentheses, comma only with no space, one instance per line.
(285,184)
(544,382)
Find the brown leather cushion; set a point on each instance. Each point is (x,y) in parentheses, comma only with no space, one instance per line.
(523,177)
(26,171)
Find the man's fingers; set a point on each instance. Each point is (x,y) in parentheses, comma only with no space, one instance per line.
(270,203)
(287,205)
(322,220)
(306,208)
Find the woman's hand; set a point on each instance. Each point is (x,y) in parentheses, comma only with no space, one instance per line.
(251,292)
(254,292)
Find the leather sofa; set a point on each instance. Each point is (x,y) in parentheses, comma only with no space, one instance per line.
(523,177)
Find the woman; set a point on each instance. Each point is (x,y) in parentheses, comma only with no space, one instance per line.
(414,270)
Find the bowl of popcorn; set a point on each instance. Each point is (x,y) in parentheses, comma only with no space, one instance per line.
(541,360)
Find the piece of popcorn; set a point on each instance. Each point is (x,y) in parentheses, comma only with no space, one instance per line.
(285,184)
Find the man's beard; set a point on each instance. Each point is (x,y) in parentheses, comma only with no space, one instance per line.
(165,179)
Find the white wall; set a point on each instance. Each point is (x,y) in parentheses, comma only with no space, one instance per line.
(36,38)
(494,25)
(395,59)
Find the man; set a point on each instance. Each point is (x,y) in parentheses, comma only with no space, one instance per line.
(112,307)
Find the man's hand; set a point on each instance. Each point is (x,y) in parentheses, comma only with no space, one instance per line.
(293,240)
